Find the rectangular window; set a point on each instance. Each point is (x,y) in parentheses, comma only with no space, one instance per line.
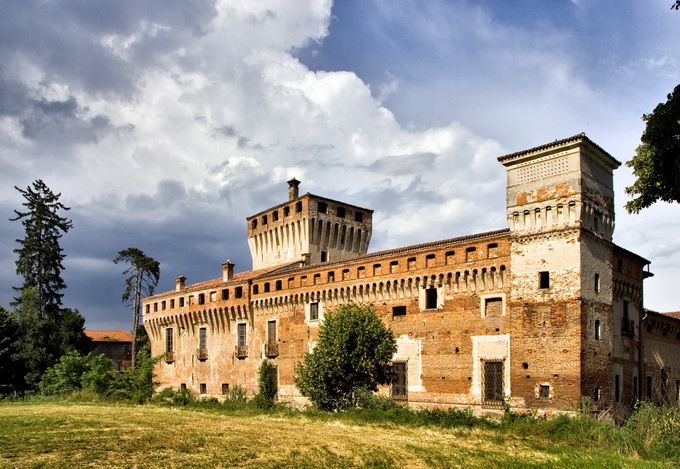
(470,254)
(429,260)
(275,215)
(183,386)
(264,219)
(399,311)
(253,224)
(361,272)
(303,281)
(544,392)
(181,302)
(313,311)
(617,388)
(544,280)
(271,331)
(201,298)
(148,309)
(256,289)
(298,207)
(291,282)
(596,394)
(238,293)
(596,224)
(172,303)
(322,207)
(411,263)
(331,277)
(598,329)
(597,283)
(377,269)
(242,334)
(317,279)
(358,216)
(169,345)
(431,298)
(155,307)
(278,285)
(450,257)
(203,388)
(286,211)
(266,287)
(202,332)
(394,265)
(225,294)
(162,305)
(493,307)
(492,250)
(225,389)
(341,212)
(345,274)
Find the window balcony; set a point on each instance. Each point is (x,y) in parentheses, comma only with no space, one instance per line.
(241,351)
(169,357)
(202,354)
(271,349)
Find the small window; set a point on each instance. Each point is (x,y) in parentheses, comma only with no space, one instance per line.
(322,207)
(431,298)
(183,386)
(399,311)
(596,224)
(324,256)
(201,298)
(225,294)
(597,283)
(544,280)
(279,285)
(345,274)
(331,277)
(341,212)
(181,302)
(266,287)
(492,250)
(286,211)
(313,311)
(470,254)
(203,388)
(202,333)
(394,266)
(303,281)
(241,335)
(253,223)
(450,257)
(256,289)
(411,263)
(238,292)
(598,329)
(148,309)
(264,219)
(317,279)
(225,389)
(493,306)
(155,307)
(596,394)
(163,305)
(275,215)
(172,303)
(361,272)
(298,207)
(358,216)
(377,269)
(544,391)
(430,260)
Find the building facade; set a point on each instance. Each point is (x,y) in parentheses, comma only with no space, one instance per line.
(538,315)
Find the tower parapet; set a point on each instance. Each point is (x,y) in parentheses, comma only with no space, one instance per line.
(310,228)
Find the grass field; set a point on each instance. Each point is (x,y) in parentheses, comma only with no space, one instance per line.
(61,435)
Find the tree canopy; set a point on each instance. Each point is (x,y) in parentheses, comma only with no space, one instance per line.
(354,352)
(143,274)
(656,163)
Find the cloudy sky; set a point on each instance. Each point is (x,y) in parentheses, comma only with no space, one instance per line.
(165,123)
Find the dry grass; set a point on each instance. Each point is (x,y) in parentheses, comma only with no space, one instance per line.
(57,435)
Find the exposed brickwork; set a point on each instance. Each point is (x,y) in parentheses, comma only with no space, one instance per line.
(540,315)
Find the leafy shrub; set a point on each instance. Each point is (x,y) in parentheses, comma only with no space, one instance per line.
(353,352)
(268,388)
(653,431)
(75,372)
(137,383)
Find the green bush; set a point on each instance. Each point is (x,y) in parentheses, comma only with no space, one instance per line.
(353,352)
(268,387)
(137,383)
(75,372)
(653,431)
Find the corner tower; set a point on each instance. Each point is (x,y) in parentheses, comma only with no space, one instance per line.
(308,228)
(560,210)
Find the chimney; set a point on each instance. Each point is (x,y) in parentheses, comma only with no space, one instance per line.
(293,189)
(306,257)
(227,270)
(179,282)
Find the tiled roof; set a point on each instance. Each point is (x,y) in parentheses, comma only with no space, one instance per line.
(579,137)
(109,336)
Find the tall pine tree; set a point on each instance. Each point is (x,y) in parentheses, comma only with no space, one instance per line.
(45,330)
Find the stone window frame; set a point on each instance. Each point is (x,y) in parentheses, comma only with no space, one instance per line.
(482,303)
(320,312)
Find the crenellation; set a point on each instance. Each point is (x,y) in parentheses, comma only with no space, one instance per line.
(539,315)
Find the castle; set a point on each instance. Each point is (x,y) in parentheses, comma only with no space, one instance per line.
(537,315)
